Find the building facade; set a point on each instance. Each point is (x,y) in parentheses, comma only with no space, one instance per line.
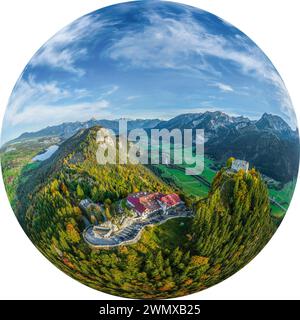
(144,203)
(239,165)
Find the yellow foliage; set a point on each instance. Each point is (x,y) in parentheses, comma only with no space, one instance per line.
(123,249)
(188,282)
(199,260)
(167,286)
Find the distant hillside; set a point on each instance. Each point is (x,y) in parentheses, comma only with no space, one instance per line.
(268,143)
(74,166)
(67,129)
(217,123)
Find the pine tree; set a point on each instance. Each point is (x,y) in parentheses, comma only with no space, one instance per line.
(79,192)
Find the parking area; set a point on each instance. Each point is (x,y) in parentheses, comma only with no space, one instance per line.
(131,233)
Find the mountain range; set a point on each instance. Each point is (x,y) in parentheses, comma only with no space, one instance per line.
(68,129)
(269,144)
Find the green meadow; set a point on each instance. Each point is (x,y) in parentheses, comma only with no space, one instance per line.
(188,184)
(283,197)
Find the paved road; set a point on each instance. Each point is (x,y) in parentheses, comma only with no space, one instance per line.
(132,233)
(277,204)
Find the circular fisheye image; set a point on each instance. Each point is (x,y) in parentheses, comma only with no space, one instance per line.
(149,150)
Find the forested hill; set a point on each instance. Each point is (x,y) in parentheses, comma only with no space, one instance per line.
(229,228)
(234,224)
(74,174)
(268,143)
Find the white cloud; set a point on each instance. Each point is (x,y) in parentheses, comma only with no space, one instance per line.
(37,104)
(130,98)
(31,92)
(63,50)
(108,91)
(163,43)
(224,87)
(112,90)
(182,43)
(39,116)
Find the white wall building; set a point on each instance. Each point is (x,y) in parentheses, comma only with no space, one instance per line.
(239,164)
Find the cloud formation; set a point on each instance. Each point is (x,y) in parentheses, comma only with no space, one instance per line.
(149,60)
(183,43)
(56,114)
(63,50)
(223,87)
(39,104)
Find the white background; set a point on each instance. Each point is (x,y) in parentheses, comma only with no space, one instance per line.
(26,25)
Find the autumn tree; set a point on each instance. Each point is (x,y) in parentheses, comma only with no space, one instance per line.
(79,192)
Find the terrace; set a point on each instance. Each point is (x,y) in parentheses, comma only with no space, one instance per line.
(132,233)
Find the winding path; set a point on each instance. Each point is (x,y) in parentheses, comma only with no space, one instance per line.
(132,233)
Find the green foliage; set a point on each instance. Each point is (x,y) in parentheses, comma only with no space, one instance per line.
(178,257)
(229,162)
(234,224)
(79,192)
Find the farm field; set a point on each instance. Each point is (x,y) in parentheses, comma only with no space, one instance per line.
(208,173)
(188,184)
(283,197)
(194,187)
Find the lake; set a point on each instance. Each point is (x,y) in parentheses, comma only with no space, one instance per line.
(45,155)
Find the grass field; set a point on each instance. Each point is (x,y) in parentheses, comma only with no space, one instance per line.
(283,197)
(171,234)
(194,187)
(208,173)
(277,212)
(12,164)
(188,184)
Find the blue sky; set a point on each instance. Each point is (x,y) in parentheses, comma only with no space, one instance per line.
(145,59)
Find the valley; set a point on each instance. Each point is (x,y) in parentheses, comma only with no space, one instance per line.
(149,150)
(27,152)
(164,255)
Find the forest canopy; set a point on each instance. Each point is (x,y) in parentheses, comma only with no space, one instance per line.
(182,256)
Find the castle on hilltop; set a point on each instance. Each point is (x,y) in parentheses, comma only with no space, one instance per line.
(238,165)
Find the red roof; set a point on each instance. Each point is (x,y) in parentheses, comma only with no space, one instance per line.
(136,203)
(170,199)
(149,202)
